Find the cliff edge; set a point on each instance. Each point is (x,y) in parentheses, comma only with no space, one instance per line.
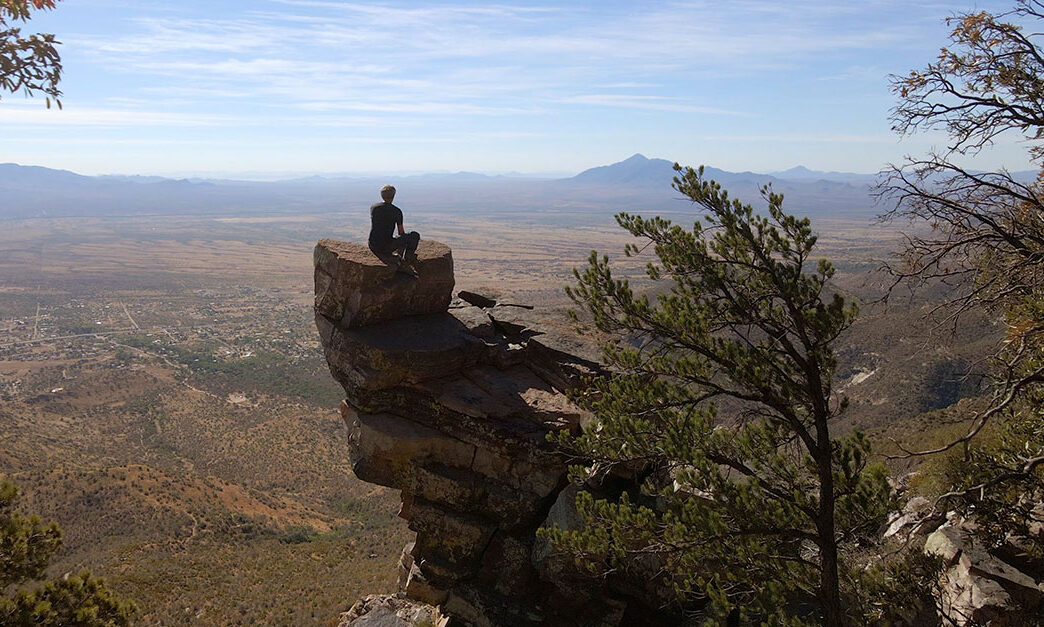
(451,402)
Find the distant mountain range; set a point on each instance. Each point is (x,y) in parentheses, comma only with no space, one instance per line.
(638,169)
(634,184)
(807,192)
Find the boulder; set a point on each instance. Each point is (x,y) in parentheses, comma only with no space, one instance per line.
(353,287)
(391,611)
(476,320)
(915,517)
(945,543)
(405,564)
(417,587)
(385,449)
(425,462)
(977,587)
(449,535)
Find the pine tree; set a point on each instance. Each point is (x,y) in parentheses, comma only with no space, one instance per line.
(26,547)
(721,396)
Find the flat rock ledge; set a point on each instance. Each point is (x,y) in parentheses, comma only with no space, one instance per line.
(453,405)
(355,288)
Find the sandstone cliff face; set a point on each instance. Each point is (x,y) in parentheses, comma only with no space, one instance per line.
(452,403)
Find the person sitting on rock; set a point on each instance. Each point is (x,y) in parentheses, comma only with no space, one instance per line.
(384,218)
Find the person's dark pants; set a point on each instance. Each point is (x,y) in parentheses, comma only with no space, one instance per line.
(406,245)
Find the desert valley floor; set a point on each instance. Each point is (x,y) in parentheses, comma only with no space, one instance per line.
(165,399)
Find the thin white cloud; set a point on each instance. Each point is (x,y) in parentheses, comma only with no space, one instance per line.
(89,116)
(432,108)
(355,42)
(424,15)
(653,103)
(257,68)
(165,35)
(857,72)
(800,138)
(26,116)
(107,142)
(628,85)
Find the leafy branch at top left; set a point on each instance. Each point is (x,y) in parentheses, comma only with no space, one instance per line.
(29,64)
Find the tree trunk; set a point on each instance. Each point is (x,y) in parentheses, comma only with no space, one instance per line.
(830,591)
(829,588)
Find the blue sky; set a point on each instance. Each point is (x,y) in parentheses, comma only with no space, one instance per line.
(189,87)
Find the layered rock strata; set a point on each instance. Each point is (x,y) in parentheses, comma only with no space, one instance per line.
(452,404)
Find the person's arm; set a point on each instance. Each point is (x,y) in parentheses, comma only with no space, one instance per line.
(402,231)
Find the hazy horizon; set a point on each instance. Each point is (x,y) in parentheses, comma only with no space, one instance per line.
(277,175)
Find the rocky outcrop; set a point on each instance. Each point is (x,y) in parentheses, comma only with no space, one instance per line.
(452,404)
(353,287)
(977,586)
(382,610)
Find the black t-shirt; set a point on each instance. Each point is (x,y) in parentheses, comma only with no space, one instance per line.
(384,216)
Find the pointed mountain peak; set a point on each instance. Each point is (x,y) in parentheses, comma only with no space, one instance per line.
(636,169)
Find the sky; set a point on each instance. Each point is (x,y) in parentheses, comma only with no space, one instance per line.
(321,86)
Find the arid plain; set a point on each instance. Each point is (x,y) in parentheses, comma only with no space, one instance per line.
(165,399)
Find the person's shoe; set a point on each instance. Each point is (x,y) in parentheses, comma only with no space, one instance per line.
(407,268)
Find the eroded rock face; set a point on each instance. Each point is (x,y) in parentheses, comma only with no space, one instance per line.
(452,404)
